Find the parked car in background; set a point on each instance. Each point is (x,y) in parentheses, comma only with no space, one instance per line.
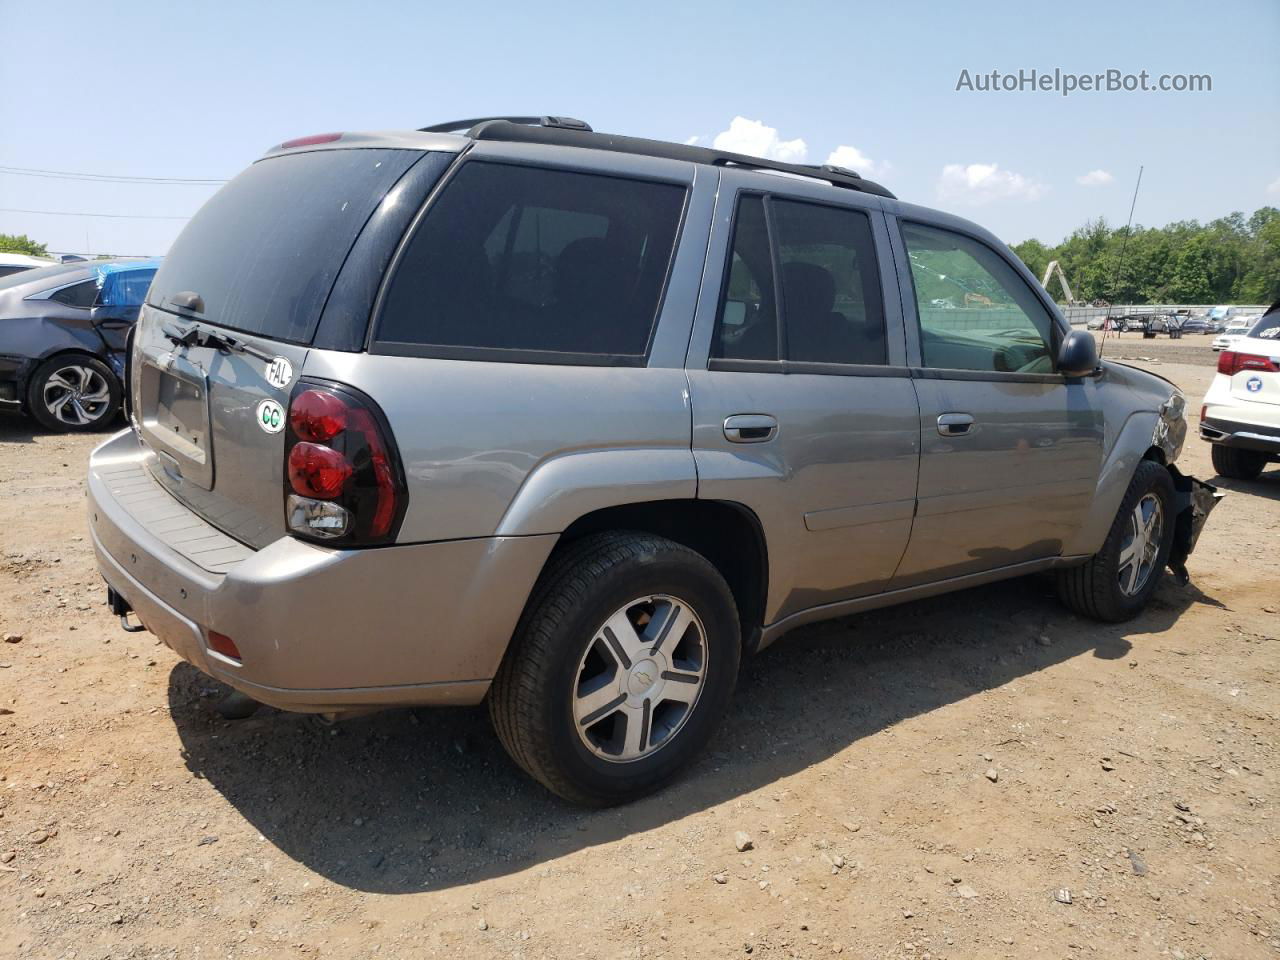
(63,331)
(11,263)
(1197,326)
(1222,315)
(1233,331)
(1241,411)
(575,421)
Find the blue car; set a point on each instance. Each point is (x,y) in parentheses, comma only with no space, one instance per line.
(63,335)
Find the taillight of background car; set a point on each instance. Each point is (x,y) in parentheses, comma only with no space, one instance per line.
(1230,362)
(343,482)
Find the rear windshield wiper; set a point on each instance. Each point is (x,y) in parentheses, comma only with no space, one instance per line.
(197,336)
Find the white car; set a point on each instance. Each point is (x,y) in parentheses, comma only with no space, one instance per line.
(1235,329)
(1241,412)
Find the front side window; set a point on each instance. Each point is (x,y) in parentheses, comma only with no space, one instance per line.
(522,258)
(975,312)
(824,292)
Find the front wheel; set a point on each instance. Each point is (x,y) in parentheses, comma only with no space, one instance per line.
(1119,579)
(73,391)
(621,669)
(1237,464)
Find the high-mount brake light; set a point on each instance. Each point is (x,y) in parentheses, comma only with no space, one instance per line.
(344,482)
(311,140)
(1231,362)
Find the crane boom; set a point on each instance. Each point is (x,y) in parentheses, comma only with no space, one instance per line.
(1049,271)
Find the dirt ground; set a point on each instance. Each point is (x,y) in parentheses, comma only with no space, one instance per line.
(929,781)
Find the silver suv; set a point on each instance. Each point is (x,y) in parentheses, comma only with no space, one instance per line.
(570,422)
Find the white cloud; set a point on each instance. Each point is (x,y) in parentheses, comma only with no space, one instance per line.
(1095,178)
(854,159)
(977,183)
(690,141)
(1274,186)
(755,139)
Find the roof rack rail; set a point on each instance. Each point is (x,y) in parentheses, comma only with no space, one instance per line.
(563,135)
(561,123)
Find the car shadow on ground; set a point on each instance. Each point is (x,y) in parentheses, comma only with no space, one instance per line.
(19,429)
(1266,485)
(405,801)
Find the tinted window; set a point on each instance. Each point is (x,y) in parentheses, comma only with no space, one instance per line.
(78,294)
(832,311)
(520,258)
(1268,328)
(124,288)
(831,306)
(264,251)
(747,324)
(8,271)
(975,312)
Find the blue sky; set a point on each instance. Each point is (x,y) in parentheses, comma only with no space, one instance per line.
(201,89)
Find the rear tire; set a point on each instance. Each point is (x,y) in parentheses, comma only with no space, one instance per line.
(1237,464)
(73,391)
(1119,579)
(597,726)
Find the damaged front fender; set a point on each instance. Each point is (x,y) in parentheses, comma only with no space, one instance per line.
(1195,499)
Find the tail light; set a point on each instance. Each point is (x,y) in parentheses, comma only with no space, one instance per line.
(345,486)
(1230,362)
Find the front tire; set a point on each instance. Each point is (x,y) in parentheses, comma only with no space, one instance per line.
(1119,579)
(73,391)
(621,669)
(1236,464)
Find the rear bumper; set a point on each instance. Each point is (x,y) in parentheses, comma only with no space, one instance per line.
(1247,436)
(319,630)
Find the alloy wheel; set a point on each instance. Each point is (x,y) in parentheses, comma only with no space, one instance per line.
(1141,549)
(77,395)
(640,678)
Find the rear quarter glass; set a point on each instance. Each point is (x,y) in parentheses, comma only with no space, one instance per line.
(264,252)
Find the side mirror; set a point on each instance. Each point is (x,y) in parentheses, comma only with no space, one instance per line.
(1078,355)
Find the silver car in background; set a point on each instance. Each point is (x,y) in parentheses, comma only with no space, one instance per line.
(570,422)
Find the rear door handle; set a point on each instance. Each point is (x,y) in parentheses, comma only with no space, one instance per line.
(955,424)
(750,428)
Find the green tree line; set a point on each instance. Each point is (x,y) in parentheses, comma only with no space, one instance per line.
(1233,259)
(21,243)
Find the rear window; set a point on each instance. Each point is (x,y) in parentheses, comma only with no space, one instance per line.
(517,262)
(264,251)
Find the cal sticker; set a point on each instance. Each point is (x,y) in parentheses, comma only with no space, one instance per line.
(279,372)
(270,416)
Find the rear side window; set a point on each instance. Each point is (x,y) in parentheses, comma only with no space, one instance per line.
(747,325)
(831,300)
(77,295)
(832,308)
(534,264)
(264,251)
